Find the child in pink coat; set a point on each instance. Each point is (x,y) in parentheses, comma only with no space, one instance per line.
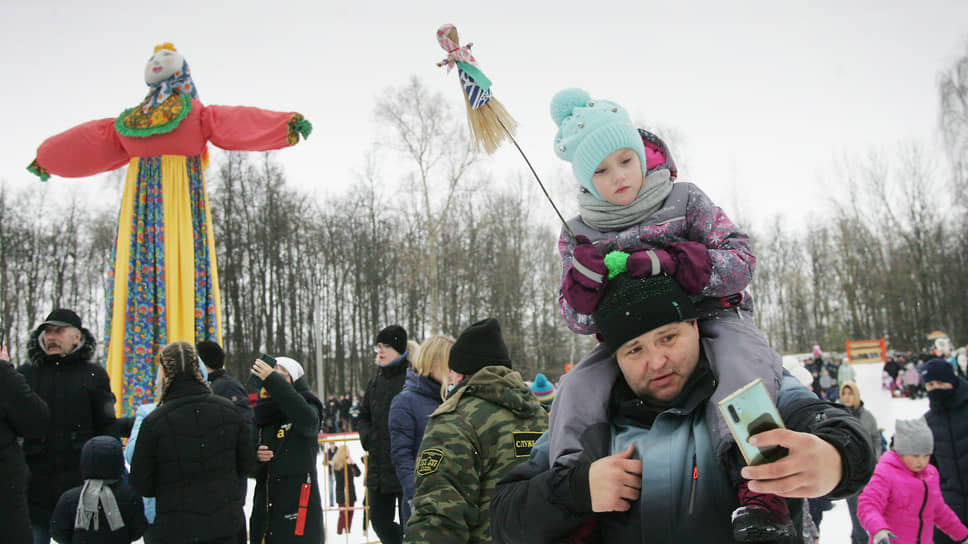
(903,503)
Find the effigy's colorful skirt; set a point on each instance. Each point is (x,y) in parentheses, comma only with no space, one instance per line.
(163,284)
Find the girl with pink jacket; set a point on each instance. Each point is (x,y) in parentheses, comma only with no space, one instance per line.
(903,503)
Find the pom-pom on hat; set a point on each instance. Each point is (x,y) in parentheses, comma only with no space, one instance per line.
(211,354)
(543,390)
(480,345)
(938,370)
(631,306)
(913,437)
(589,130)
(292,366)
(394,336)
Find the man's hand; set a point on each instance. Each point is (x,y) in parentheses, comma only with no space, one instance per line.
(811,469)
(4,356)
(264,454)
(615,481)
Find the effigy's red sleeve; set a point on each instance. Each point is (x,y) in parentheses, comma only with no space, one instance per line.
(85,150)
(244,128)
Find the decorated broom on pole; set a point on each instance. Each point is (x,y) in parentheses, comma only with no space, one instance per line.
(489,121)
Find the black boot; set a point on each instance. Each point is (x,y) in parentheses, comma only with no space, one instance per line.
(761,517)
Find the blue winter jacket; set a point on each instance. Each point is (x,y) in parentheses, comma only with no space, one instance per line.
(409,413)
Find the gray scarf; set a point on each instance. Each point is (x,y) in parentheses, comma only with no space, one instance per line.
(94,492)
(607,217)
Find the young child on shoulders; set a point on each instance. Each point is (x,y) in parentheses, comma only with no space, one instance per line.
(629,201)
(105,508)
(903,501)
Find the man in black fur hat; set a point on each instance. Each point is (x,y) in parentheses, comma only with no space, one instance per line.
(63,371)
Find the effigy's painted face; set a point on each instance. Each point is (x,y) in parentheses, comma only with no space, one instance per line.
(162,65)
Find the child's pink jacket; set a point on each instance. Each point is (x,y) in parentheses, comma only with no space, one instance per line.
(909,505)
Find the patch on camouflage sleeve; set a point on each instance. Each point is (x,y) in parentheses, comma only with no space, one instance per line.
(429,461)
(523,442)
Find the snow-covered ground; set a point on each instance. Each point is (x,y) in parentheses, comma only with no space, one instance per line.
(835,528)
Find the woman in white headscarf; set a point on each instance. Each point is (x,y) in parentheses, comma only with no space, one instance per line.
(286,506)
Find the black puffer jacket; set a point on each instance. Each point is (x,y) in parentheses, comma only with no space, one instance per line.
(228,387)
(191,453)
(22,413)
(102,459)
(78,394)
(949,424)
(375,430)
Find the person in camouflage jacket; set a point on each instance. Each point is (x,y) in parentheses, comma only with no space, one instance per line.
(485,427)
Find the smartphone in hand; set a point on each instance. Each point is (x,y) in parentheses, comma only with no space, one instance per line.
(267,359)
(750,411)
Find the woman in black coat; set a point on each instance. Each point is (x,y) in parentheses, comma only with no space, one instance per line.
(22,413)
(191,452)
(286,506)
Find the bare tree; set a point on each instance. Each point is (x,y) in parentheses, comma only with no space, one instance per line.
(439,154)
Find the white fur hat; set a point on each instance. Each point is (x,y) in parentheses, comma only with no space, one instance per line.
(292,366)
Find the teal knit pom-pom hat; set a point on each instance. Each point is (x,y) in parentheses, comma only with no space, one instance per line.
(589,130)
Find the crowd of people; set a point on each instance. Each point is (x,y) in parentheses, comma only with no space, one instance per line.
(629,447)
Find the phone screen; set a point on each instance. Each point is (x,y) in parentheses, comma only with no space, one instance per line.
(750,411)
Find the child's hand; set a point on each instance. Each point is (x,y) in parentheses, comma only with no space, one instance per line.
(884,537)
(582,286)
(693,265)
(688,262)
(650,262)
(588,256)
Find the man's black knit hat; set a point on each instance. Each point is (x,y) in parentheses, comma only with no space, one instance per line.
(478,346)
(394,336)
(631,306)
(211,354)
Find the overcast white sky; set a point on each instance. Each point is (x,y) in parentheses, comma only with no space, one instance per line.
(763,95)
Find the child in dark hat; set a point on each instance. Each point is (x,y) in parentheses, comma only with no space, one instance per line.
(629,201)
(105,509)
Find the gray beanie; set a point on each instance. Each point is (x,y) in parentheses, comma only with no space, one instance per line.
(913,437)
